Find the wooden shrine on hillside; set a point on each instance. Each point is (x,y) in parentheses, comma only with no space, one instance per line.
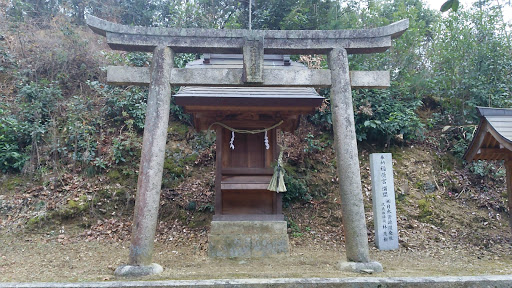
(246,120)
(493,141)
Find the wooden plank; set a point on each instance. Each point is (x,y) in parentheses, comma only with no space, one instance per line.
(276,205)
(477,141)
(249,101)
(269,154)
(489,140)
(243,186)
(276,77)
(500,139)
(255,150)
(247,202)
(218,175)
(239,155)
(249,217)
(247,171)
(226,151)
(246,179)
(501,151)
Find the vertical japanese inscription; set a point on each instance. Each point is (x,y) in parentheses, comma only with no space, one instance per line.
(253,59)
(384,207)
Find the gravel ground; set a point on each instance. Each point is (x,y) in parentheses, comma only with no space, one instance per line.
(42,258)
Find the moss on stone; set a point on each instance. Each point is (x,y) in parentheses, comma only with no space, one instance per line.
(178,131)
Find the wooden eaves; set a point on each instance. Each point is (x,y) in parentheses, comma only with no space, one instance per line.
(493,137)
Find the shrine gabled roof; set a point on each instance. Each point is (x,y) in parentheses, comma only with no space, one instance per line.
(248,96)
(276,97)
(493,137)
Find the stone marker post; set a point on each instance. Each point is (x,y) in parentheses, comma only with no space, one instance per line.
(508,167)
(352,206)
(147,199)
(383,198)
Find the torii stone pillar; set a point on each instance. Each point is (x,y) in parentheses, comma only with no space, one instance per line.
(349,174)
(149,184)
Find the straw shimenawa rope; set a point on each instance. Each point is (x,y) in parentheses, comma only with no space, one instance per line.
(244,130)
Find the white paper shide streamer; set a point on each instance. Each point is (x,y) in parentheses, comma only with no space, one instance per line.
(231,144)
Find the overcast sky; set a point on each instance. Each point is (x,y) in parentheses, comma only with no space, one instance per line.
(436,5)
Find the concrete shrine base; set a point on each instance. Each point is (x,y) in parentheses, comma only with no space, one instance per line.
(138,270)
(247,239)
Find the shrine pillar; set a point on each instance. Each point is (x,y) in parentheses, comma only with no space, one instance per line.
(147,200)
(508,167)
(352,206)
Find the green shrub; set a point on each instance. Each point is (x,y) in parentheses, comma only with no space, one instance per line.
(138,59)
(297,191)
(11,159)
(123,106)
(379,114)
(384,114)
(312,144)
(80,132)
(37,105)
(487,169)
(125,147)
(12,156)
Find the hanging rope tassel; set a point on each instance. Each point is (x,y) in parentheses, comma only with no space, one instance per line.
(277,182)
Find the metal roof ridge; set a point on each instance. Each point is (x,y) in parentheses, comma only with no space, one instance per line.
(490,111)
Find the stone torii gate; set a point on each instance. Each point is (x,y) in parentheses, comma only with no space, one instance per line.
(164,42)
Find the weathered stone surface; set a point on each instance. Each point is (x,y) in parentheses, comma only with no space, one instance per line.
(264,245)
(253,60)
(248,227)
(369,79)
(132,38)
(498,281)
(361,267)
(247,239)
(354,223)
(138,270)
(126,75)
(147,200)
(287,77)
(383,199)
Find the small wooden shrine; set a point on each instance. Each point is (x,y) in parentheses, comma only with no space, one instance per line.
(246,120)
(493,141)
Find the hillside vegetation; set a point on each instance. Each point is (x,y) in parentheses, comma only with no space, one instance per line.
(70,144)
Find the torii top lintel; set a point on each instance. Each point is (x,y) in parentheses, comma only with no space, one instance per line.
(193,40)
